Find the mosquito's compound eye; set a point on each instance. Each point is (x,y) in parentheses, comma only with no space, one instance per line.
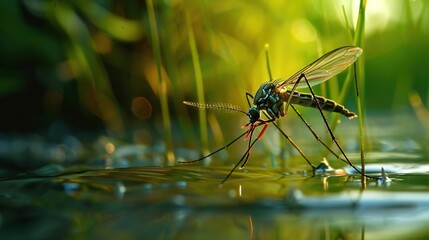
(253,114)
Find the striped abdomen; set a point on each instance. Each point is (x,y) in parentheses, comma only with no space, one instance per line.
(307,100)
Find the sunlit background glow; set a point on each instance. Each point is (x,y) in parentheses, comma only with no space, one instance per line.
(129,66)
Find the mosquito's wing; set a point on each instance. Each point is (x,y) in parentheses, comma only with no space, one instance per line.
(325,67)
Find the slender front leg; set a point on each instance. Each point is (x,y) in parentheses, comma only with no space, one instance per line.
(252,128)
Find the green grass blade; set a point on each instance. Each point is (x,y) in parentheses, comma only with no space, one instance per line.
(270,75)
(199,85)
(162,83)
(358,40)
(267,59)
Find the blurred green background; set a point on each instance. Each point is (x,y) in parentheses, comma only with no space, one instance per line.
(123,68)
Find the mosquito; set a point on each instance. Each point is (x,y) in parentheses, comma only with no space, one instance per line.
(273,99)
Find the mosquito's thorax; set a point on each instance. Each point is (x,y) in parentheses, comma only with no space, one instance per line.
(267,98)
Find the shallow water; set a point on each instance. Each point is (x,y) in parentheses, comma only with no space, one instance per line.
(188,202)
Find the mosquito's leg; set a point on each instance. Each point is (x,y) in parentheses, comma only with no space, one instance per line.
(250,131)
(329,128)
(220,149)
(324,119)
(294,145)
(305,122)
(289,100)
(283,133)
(238,163)
(248,95)
(252,128)
(315,134)
(264,129)
(265,123)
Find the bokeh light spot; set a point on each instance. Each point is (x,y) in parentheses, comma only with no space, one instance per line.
(109,147)
(102,43)
(141,108)
(303,30)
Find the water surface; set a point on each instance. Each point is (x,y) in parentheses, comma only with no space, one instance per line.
(122,201)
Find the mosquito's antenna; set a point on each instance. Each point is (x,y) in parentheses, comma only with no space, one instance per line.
(222,106)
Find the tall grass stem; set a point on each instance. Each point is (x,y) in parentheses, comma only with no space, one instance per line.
(267,59)
(360,85)
(281,139)
(199,84)
(163,95)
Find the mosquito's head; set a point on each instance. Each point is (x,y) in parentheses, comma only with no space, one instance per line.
(253,115)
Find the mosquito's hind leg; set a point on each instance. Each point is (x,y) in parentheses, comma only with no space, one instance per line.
(316,135)
(334,139)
